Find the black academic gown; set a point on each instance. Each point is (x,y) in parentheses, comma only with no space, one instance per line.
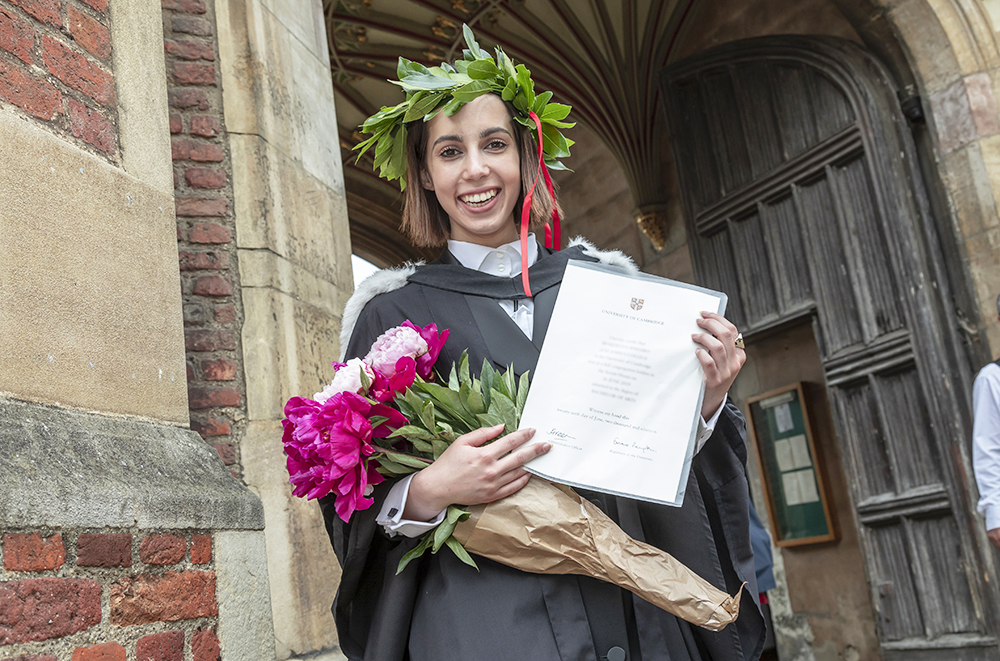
(442,610)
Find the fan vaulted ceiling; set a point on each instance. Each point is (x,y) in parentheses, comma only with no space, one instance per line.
(602,57)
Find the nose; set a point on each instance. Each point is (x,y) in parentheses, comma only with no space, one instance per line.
(476,165)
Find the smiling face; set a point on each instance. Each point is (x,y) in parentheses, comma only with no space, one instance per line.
(473,166)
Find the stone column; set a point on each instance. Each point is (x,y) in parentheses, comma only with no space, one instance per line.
(293,250)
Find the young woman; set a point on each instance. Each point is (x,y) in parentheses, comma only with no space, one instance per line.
(467,175)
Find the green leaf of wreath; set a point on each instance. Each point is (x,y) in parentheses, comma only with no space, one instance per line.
(483,70)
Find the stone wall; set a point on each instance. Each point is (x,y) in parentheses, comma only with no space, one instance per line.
(117,522)
(56,68)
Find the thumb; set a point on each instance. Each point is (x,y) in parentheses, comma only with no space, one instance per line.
(480,436)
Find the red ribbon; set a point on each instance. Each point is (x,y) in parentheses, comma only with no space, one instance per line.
(552,237)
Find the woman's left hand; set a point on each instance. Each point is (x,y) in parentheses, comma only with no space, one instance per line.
(719,357)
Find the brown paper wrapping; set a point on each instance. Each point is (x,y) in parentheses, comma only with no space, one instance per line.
(547,528)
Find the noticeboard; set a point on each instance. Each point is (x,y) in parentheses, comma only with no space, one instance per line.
(791,469)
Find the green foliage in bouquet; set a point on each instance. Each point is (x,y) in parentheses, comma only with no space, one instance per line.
(438,415)
(430,90)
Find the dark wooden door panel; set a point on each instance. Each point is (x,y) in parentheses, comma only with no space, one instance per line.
(788,154)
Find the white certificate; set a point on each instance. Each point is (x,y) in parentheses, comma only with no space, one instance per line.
(618,389)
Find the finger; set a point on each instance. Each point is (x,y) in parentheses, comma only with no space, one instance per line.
(479,436)
(513,486)
(708,364)
(511,442)
(725,332)
(715,347)
(714,316)
(521,456)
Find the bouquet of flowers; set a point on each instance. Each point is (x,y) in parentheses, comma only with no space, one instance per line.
(387,415)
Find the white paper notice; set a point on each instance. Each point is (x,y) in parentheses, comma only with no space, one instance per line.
(618,388)
(800,451)
(800,487)
(783,418)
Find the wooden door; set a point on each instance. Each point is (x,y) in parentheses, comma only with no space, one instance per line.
(803,200)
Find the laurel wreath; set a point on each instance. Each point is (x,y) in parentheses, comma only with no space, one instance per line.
(430,90)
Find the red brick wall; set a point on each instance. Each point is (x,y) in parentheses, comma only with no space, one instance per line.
(55,67)
(158,589)
(212,310)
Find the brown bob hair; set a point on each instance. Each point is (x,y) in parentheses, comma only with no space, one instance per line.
(425,221)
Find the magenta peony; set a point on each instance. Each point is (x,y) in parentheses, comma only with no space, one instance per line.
(435,342)
(328,447)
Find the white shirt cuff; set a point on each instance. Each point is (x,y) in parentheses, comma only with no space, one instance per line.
(705,429)
(390,517)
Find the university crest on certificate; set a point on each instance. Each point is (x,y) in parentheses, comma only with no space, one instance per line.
(618,388)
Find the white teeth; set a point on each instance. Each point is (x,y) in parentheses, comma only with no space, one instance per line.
(480,198)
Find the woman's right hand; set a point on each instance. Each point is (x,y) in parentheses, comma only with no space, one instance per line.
(468,473)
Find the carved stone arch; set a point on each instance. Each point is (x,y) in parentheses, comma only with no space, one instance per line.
(804,198)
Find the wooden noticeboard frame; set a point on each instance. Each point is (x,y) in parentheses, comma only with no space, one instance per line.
(791,468)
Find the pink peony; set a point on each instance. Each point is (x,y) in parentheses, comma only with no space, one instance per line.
(385,388)
(399,342)
(346,379)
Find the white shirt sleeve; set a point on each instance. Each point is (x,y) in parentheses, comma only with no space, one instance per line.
(390,517)
(706,428)
(986,442)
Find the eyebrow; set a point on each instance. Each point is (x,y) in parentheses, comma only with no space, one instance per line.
(454,137)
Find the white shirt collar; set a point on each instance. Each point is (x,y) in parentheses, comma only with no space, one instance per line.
(503,261)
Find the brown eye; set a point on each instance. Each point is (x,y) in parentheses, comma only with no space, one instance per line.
(448,152)
(496,144)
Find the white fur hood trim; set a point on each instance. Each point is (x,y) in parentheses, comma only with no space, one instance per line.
(379,282)
(387,280)
(608,257)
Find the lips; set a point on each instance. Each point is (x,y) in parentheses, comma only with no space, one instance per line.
(480,199)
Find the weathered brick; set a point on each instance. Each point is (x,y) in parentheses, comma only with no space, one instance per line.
(213,285)
(31,94)
(220,369)
(189,50)
(201,206)
(42,608)
(205,646)
(46,11)
(168,646)
(90,34)
(102,652)
(225,314)
(35,657)
(77,71)
(188,98)
(91,126)
(205,178)
(29,552)
(104,550)
(190,372)
(16,36)
(200,398)
(227,453)
(193,73)
(215,339)
(201,549)
(205,125)
(99,5)
(176,124)
(210,233)
(165,598)
(162,549)
(195,314)
(191,25)
(198,260)
(212,427)
(182,149)
(189,6)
